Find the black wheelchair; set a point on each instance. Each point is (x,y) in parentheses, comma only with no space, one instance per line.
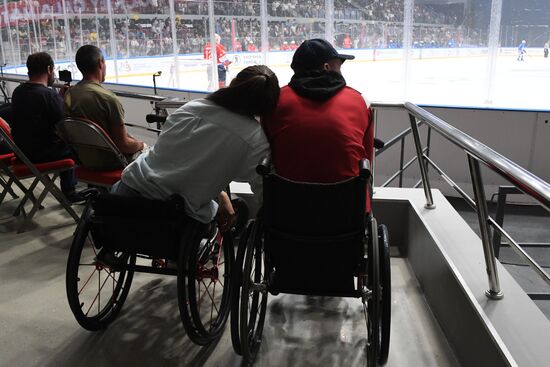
(312,239)
(149,236)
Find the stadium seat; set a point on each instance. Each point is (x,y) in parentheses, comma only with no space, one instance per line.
(100,163)
(45,173)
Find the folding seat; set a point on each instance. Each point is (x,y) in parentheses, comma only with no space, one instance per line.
(100,163)
(45,173)
(5,160)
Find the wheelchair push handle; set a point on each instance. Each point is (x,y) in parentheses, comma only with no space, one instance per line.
(264,167)
(364,168)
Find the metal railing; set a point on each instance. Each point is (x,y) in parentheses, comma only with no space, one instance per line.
(153,98)
(476,153)
(120,93)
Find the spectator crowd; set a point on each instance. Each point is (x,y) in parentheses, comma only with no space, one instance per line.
(143,27)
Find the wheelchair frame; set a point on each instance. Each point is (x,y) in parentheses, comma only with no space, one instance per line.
(253,282)
(203,261)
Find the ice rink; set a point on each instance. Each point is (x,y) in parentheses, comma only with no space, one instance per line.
(460,81)
(451,81)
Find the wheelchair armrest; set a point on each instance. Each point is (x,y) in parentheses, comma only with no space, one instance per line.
(364,168)
(264,167)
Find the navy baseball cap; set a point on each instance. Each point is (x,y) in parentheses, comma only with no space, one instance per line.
(313,53)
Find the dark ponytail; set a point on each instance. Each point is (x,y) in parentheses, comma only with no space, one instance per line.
(253,92)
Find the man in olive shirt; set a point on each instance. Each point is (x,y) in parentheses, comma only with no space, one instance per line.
(88,99)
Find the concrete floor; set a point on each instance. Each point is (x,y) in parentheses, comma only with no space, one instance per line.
(37,327)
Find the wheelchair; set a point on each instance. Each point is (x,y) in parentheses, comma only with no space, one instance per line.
(150,236)
(316,240)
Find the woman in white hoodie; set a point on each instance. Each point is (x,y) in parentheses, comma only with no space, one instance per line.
(206,144)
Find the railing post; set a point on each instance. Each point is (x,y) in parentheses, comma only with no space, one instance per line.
(494,291)
(422,163)
(401,162)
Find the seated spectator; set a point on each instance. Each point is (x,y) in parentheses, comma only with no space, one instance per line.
(251,47)
(35,110)
(89,100)
(206,144)
(321,128)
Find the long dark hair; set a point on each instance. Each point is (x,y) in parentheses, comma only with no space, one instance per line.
(253,92)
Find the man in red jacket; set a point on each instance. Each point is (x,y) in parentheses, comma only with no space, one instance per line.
(321,128)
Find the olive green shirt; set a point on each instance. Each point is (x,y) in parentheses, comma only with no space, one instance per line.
(91,101)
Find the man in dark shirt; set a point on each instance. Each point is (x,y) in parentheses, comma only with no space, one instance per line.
(36,110)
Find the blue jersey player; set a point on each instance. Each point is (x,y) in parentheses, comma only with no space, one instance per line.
(521,50)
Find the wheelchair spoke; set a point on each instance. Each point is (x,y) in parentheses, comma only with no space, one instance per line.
(100,287)
(99,292)
(212,306)
(205,291)
(91,242)
(110,275)
(209,294)
(87,281)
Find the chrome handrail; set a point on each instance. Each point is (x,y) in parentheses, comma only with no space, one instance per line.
(476,152)
(517,175)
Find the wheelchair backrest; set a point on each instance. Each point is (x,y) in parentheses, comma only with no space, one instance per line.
(313,234)
(138,225)
(92,145)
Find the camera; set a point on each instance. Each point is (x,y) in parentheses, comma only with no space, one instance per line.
(65,76)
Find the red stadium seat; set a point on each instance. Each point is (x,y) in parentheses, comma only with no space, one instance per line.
(100,162)
(45,173)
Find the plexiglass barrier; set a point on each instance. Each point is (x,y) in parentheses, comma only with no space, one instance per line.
(437,52)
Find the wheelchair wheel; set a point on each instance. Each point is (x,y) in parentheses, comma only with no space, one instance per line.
(253,300)
(96,292)
(373,306)
(236,289)
(385,282)
(204,284)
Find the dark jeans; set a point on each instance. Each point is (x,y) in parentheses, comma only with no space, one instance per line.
(56,152)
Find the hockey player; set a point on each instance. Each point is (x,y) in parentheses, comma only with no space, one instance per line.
(521,50)
(546,50)
(221,61)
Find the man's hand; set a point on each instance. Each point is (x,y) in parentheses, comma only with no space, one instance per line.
(226,214)
(64,90)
